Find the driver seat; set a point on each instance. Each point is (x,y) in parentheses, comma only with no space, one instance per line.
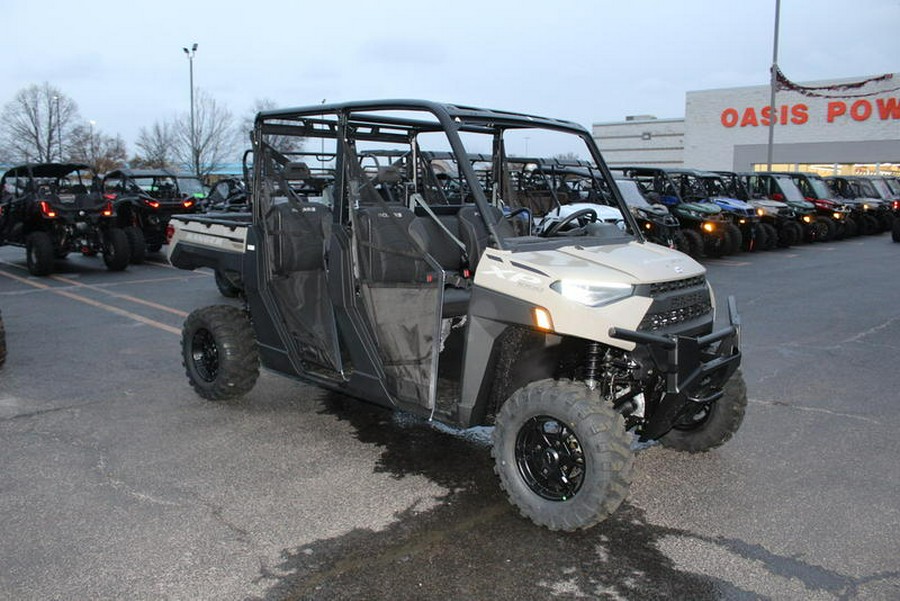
(474,233)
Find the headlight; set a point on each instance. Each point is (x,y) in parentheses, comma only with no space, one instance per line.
(709,227)
(837,215)
(592,294)
(760,212)
(807,219)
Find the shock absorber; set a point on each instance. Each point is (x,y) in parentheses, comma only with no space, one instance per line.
(592,364)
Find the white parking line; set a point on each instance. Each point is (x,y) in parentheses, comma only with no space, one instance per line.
(93,303)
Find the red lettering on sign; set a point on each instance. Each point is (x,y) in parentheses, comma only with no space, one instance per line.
(729,117)
(861,110)
(836,108)
(799,114)
(888,108)
(749,117)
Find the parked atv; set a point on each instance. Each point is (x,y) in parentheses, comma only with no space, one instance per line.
(53,209)
(718,235)
(742,214)
(145,200)
(2,342)
(564,342)
(657,223)
(781,188)
(777,217)
(228,194)
(816,190)
(895,229)
(874,213)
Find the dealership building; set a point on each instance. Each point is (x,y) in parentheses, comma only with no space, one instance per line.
(846,126)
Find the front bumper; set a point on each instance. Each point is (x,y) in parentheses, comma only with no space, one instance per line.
(695,369)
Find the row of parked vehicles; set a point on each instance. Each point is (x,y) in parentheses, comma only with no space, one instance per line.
(53,209)
(720,213)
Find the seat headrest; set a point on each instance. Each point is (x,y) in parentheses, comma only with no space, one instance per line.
(388,175)
(296,170)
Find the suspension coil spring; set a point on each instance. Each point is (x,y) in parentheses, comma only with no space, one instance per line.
(592,364)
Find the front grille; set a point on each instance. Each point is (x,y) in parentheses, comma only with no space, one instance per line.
(671,317)
(676,302)
(660,288)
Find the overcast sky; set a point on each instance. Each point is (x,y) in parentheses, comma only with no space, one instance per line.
(587,61)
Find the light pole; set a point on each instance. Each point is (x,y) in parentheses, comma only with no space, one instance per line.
(773,83)
(195,159)
(93,152)
(59,128)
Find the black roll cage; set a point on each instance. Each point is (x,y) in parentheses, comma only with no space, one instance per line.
(355,121)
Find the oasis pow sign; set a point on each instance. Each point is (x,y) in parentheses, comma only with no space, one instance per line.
(835,111)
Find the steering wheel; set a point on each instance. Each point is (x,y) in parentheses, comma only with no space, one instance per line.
(516,212)
(587,214)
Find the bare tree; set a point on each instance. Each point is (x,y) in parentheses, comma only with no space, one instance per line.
(90,145)
(215,135)
(36,123)
(279,143)
(156,146)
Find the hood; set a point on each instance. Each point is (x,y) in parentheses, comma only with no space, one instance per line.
(802,205)
(733,204)
(656,210)
(704,208)
(769,204)
(631,263)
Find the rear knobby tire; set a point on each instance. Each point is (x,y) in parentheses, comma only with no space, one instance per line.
(562,455)
(226,286)
(116,252)
(137,244)
(895,233)
(219,352)
(716,425)
(39,253)
(2,342)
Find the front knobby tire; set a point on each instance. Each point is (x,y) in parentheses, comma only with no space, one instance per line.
(715,424)
(695,243)
(219,352)
(562,455)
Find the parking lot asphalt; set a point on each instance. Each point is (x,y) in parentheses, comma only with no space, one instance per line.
(119,482)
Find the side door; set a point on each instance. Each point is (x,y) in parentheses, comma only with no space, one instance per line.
(401,286)
(293,263)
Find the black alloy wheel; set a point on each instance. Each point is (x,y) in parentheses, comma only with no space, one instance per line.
(205,354)
(550,458)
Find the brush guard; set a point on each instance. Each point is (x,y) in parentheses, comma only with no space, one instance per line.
(694,367)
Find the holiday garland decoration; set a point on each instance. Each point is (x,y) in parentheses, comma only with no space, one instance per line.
(834,90)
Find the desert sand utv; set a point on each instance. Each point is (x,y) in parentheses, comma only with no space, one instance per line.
(570,345)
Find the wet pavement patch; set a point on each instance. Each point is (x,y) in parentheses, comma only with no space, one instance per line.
(473,545)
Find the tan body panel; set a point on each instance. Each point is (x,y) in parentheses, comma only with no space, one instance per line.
(528,275)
